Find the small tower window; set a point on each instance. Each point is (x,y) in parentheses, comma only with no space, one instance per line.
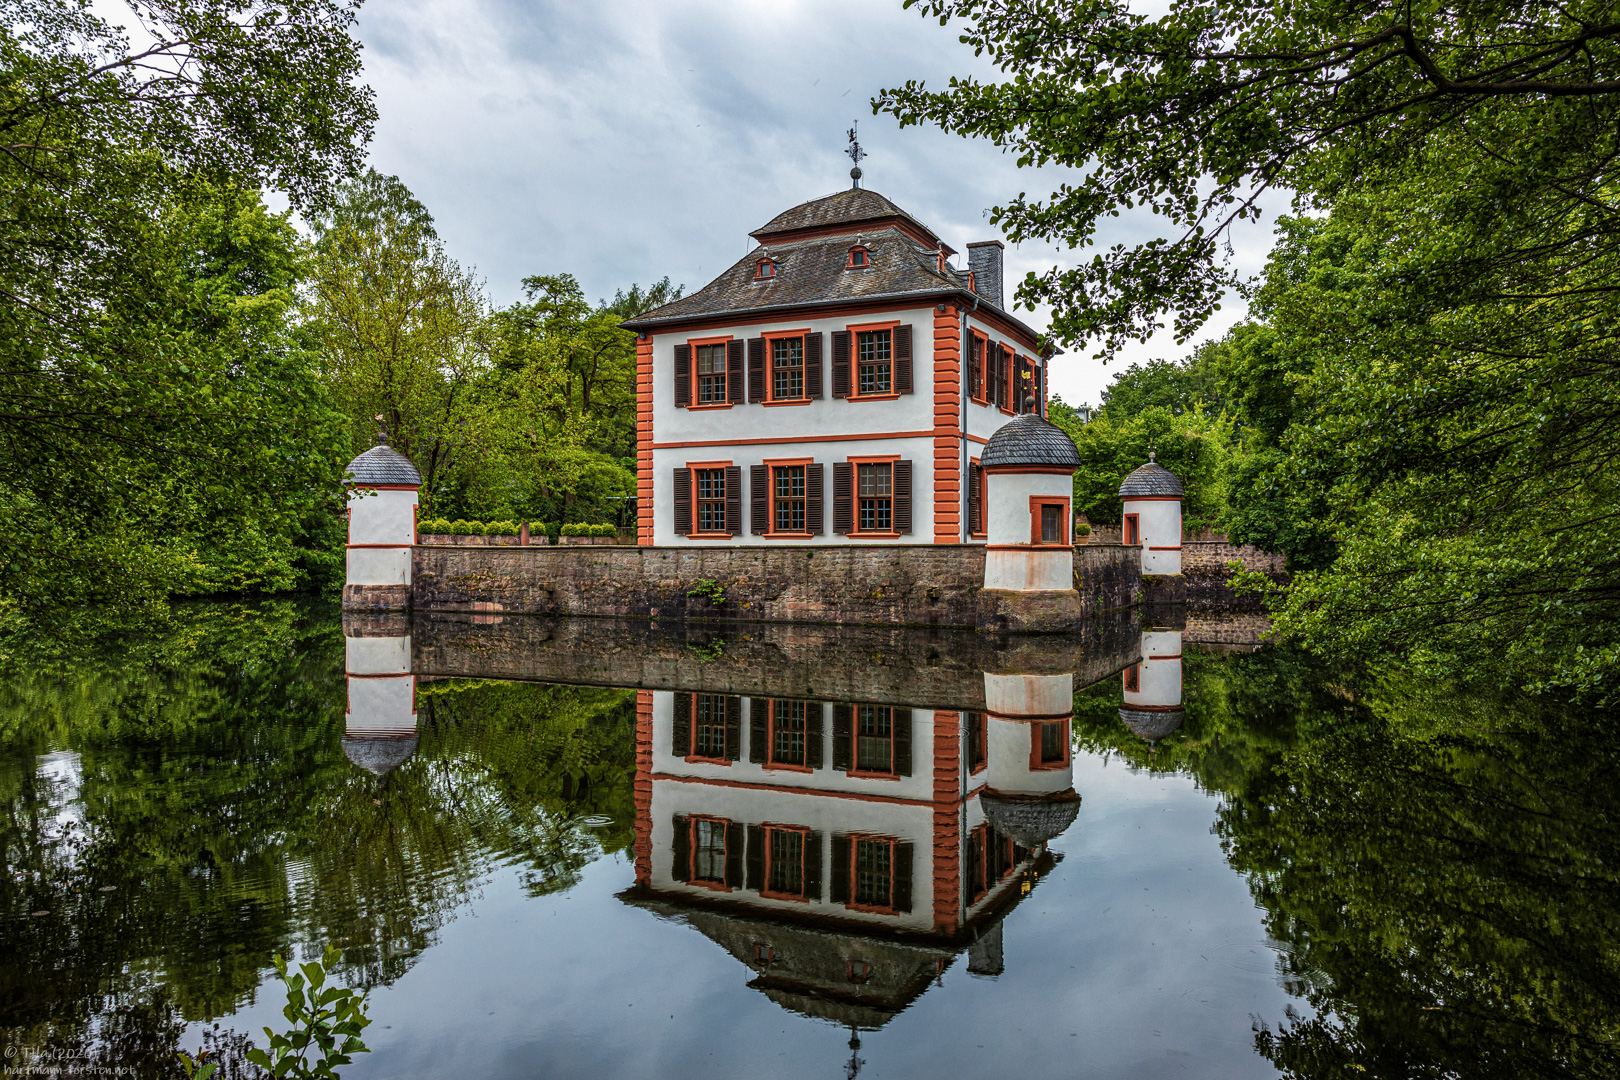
(859,257)
(765,271)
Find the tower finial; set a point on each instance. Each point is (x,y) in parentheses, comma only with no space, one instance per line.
(382,430)
(855,153)
(1152,455)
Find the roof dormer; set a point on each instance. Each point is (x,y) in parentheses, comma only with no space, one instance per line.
(765,269)
(860,257)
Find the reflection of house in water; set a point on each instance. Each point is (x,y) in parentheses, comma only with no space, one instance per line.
(1152,708)
(379,721)
(848,852)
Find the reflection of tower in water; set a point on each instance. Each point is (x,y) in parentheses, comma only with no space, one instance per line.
(379,720)
(847,852)
(1152,709)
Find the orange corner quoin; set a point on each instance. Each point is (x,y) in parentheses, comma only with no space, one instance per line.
(869,352)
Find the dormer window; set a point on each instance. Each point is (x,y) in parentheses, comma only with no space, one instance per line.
(765,270)
(859,257)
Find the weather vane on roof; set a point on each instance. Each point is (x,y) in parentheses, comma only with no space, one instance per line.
(855,153)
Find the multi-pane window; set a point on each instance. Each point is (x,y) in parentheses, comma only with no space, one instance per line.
(874,872)
(789,483)
(875,492)
(787,369)
(711,500)
(874,739)
(708,850)
(786,862)
(787,733)
(874,361)
(1051,523)
(1054,747)
(711,374)
(978,739)
(709,736)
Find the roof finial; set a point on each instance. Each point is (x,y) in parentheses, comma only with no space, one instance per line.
(855,153)
(1152,456)
(382,430)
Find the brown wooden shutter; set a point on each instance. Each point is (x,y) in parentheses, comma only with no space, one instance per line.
(756,369)
(1007,398)
(681,744)
(733,728)
(683,502)
(843,737)
(681,849)
(843,498)
(683,376)
(902,359)
(756,857)
(734,854)
(733,499)
(758,729)
(902,496)
(900,898)
(902,741)
(974,509)
(759,499)
(840,363)
(999,366)
(812,866)
(814,515)
(812,366)
(973,366)
(839,878)
(1026,385)
(734,371)
(813,756)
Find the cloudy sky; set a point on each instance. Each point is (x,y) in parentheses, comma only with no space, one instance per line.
(623,140)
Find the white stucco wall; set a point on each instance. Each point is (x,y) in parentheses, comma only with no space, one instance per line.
(377,655)
(1009,495)
(381,706)
(752,433)
(382,517)
(1009,771)
(1159,679)
(379,566)
(1161,528)
(1028,695)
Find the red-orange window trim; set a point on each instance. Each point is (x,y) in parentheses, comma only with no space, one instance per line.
(691,479)
(1131,530)
(1035,731)
(855,841)
(855,464)
(854,360)
(982,727)
(982,362)
(982,478)
(866,264)
(771,465)
(764,886)
(855,769)
(1035,504)
(693,756)
(759,269)
(1132,679)
(770,739)
(691,852)
(693,344)
(770,374)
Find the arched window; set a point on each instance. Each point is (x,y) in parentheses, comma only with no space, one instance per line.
(765,270)
(860,257)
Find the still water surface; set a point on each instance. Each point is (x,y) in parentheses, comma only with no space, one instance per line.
(554,849)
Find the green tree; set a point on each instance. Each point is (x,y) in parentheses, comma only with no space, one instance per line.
(147,393)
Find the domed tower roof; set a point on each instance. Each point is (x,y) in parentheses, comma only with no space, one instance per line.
(1151,479)
(383,464)
(1030,822)
(1029,440)
(1151,724)
(379,757)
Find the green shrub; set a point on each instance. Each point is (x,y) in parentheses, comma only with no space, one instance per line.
(579,528)
(501,528)
(460,527)
(605,530)
(574,530)
(1082,529)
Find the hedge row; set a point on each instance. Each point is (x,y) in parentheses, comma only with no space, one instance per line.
(459,527)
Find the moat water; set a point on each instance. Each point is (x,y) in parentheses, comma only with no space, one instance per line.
(589,850)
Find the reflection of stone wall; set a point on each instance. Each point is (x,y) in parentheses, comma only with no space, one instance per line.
(1225,628)
(939,669)
(916,585)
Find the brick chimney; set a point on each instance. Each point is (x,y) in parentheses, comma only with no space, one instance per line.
(984,259)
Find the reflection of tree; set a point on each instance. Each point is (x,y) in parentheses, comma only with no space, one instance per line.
(1440,872)
(202,777)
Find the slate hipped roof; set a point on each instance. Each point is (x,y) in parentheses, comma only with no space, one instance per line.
(384,465)
(1151,479)
(814,270)
(1029,440)
(1030,822)
(1151,724)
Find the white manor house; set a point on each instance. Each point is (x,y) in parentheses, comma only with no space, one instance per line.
(838,384)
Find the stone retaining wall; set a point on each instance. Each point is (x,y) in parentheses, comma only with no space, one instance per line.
(916,585)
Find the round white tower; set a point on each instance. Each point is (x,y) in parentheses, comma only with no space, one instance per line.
(379,722)
(1152,708)
(1028,792)
(1029,468)
(383,486)
(1152,520)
